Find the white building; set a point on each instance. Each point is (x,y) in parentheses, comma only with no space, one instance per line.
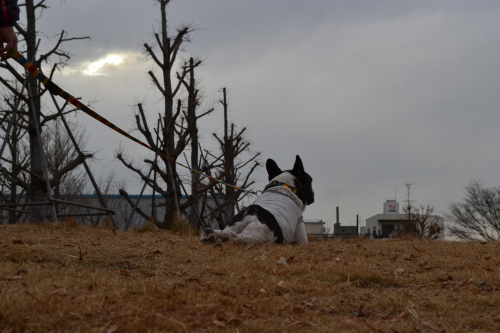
(315,227)
(391,220)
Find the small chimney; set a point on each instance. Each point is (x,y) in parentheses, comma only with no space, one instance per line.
(357,225)
(338,221)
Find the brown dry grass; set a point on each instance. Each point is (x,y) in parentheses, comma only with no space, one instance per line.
(70,278)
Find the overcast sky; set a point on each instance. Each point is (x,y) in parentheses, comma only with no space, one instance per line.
(371,94)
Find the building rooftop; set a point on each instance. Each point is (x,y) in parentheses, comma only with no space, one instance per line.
(314,221)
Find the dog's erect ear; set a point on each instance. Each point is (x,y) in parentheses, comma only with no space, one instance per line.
(272,169)
(298,167)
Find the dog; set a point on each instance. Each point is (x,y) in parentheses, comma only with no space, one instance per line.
(276,215)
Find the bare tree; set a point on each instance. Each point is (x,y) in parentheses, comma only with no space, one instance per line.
(14,154)
(419,220)
(238,164)
(35,118)
(178,126)
(63,161)
(422,223)
(177,132)
(478,216)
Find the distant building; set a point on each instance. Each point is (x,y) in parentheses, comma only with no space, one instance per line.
(344,231)
(388,223)
(315,227)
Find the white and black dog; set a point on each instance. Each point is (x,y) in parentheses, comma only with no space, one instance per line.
(276,215)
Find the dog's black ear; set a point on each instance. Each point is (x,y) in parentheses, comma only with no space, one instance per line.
(272,169)
(298,167)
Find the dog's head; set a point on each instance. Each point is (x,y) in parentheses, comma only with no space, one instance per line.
(296,178)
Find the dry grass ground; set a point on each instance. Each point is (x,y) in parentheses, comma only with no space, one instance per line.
(69,278)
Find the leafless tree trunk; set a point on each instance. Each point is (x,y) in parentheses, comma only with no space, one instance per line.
(37,191)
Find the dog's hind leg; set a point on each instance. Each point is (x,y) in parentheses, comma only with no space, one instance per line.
(250,231)
(208,236)
(235,226)
(211,236)
(255,232)
(224,235)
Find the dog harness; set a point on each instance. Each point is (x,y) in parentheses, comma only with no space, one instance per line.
(286,208)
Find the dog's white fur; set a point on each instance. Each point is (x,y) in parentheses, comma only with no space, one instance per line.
(251,230)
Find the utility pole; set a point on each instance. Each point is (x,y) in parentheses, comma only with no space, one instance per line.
(408,201)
